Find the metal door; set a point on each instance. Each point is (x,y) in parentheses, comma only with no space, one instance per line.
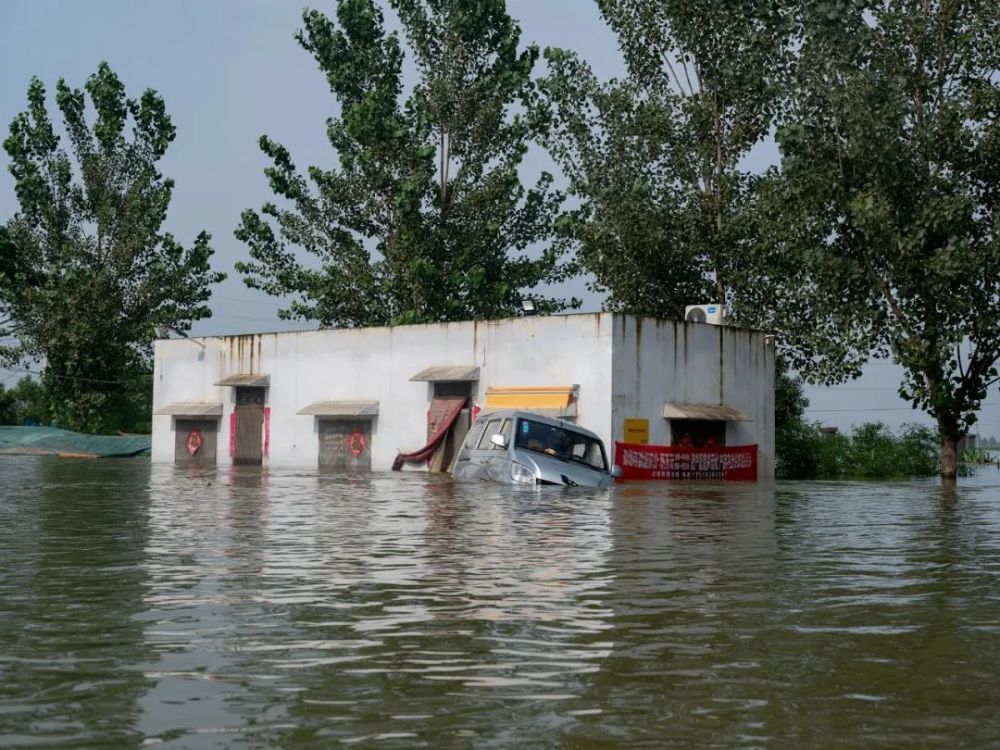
(345,445)
(249,427)
(196,441)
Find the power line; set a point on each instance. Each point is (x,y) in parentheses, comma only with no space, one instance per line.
(243,317)
(862,410)
(853,387)
(74,377)
(249,301)
(893,408)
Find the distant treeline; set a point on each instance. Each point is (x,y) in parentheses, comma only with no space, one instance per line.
(805,450)
(30,403)
(869,451)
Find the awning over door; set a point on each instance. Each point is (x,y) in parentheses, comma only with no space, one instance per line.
(345,409)
(190,409)
(556,401)
(707,412)
(447,373)
(251,381)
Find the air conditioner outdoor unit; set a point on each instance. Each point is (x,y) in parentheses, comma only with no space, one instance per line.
(713,314)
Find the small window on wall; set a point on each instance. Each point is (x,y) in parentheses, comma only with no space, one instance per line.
(697,433)
(448,389)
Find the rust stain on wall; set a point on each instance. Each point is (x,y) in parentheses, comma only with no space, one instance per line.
(638,355)
(242,354)
(675,351)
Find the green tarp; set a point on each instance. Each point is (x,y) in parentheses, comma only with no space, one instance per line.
(49,441)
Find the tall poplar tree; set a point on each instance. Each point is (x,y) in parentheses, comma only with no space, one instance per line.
(8,266)
(424,217)
(87,273)
(888,206)
(668,212)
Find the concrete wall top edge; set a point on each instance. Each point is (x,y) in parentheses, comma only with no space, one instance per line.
(542,320)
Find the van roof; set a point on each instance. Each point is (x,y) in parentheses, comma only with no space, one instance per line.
(542,418)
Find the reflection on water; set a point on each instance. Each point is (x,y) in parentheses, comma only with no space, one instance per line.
(192,608)
(71,600)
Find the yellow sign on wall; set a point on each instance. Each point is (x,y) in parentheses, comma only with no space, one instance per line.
(637,431)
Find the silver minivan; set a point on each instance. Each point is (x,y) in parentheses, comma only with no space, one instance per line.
(519,447)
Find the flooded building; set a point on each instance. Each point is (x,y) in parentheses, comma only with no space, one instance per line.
(360,398)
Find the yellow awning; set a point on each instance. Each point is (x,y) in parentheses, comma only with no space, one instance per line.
(553,400)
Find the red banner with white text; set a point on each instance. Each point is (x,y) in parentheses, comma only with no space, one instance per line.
(728,464)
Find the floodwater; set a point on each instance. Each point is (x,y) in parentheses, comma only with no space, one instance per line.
(153,606)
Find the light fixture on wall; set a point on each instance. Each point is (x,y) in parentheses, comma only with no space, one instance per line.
(528,306)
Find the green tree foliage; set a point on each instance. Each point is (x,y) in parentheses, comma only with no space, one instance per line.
(9,257)
(887,206)
(87,274)
(425,217)
(790,402)
(793,436)
(25,403)
(8,414)
(667,215)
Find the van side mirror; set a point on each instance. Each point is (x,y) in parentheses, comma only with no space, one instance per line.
(498,440)
(616,471)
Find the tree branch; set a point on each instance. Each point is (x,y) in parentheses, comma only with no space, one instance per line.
(886,291)
(677,81)
(686,75)
(441,173)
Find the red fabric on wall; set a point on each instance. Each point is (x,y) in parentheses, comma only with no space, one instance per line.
(730,464)
(232,435)
(442,415)
(267,431)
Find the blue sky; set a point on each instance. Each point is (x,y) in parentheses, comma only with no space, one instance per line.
(230,71)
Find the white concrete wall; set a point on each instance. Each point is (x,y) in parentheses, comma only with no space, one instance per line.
(377,364)
(183,371)
(657,361)
(625,367)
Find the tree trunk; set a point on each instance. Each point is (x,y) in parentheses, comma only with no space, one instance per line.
(949,457)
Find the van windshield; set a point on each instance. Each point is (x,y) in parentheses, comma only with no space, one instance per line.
(561,443)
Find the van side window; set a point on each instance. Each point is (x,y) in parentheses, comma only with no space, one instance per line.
(491,428)
(505,431)
(475,433)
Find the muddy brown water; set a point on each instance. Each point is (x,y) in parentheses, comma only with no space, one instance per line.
(154,606)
